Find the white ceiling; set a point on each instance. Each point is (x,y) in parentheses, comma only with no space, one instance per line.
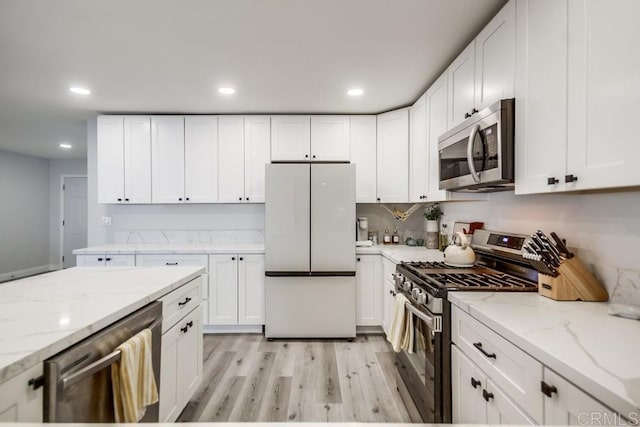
(170,56)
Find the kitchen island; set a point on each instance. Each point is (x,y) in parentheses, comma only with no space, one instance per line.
(46,314)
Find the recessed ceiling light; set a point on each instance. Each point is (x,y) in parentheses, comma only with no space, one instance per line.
(65,146)
(80,90)
(355,92)
(227,90)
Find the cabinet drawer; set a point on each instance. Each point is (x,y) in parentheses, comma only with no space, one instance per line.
(177,304)
(513,370)
(169,260)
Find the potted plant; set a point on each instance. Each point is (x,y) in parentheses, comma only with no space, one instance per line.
(432,218)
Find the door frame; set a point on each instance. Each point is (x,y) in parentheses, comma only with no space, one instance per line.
(61,218)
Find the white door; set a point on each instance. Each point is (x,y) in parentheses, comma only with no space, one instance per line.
(333,217)
(137,159)
(330,138)
(169,388)
(604,94)
(393,157)
(257,153)
(541,96)
(368,290)
(290,138)
(110,153)
(201,159)
(251,289)
(437,102)
(418,151)
(190,359)
(495,58)
(502,410)
(461,80)
(363,155)
(223,289)
(231,159)
(167,159)
(287,211)
(74,220)
(467,383)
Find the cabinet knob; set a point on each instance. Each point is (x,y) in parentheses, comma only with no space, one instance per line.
(547,389)
(570,178)
(241,259)
(108,259)
(187,199)
(358,259)
(247,199)
(233,258)
(314,156)
(36,383)
(100,259)
(486,395)
(475,383)
(119,199)
(474,110)
(467,115)
(240,198)
(180,199)
(126,200)
(306,156)
(378,198)
(552,181)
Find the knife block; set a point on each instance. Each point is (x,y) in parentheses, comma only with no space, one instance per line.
(575,282)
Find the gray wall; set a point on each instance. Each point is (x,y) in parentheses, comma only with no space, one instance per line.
(57,168)
(24,213)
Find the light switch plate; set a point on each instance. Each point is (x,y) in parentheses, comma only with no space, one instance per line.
(106,221)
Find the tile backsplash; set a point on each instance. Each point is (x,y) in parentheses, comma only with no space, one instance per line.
(189,236)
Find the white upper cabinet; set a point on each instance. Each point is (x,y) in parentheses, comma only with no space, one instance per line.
(436,103)
(257,153)
(167,159)
(330,138)
(230,159)
(461,80)
(290,138)
(137,159)
(495,58)
(201,159)
(393,157)
(110,152)
(363,155)
(418,151)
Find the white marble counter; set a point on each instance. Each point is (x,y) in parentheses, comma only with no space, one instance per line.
(399,253)
(579,340)
(42,315)
(172,248)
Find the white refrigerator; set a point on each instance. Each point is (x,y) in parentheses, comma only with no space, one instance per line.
(310,216)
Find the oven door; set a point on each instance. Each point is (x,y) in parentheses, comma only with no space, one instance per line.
(421,368)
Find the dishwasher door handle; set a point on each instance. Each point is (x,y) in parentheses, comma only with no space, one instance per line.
(98,365)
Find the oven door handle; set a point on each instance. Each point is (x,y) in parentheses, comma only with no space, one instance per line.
(434,322)
(472,166)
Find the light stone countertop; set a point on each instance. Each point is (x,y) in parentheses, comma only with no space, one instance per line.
(400,253)
(43,315)
(597,352)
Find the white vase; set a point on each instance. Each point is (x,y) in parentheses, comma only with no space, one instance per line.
(432,234)
(432,225)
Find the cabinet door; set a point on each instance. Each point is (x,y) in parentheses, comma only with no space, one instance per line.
(120,260)
(201,159)
(19,402)
(363,155)
(393,156)
(387,305)
(330,138)
(418,153)
(541,96)
(169,388)
(190,358)
(461,80)
(167,159)
(436,101)
(251,290)
(137,159)
(569,405)
(368,290)
(223,289)
(290,138)
(231,159)
(257,153)
(90,260)
(495,58)
(603,94)
(110,152)
(502,410)
(467,384)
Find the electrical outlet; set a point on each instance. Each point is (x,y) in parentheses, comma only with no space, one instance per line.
(106,221)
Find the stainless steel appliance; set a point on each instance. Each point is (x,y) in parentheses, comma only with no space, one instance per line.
(77,381)
(310,220)
(478,155)
(424,376)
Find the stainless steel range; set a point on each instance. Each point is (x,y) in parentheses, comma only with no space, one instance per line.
(424,374)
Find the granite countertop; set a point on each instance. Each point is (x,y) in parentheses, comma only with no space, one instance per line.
(43,315)
(597,352)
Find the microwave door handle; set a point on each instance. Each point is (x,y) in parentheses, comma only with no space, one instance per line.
(472,166)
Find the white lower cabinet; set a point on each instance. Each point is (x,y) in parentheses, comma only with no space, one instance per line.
(251,290)
(105,260)
(368,290)
(20,401)
(388,294)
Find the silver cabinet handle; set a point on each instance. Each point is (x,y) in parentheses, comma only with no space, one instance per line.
(472,167)
(431,321)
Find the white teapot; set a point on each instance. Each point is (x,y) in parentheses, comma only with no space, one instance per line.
(459,253)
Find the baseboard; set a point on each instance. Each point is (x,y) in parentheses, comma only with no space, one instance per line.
(369,330)
(19,274)
(232,329)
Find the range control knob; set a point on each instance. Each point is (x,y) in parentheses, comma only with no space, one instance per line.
(407,285)
(415,293)
(422,298)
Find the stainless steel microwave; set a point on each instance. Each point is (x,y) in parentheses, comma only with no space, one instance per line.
(477,155)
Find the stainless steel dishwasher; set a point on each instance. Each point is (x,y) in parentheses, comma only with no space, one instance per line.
(77,381)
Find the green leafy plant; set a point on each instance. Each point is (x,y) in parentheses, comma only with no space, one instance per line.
(433,212)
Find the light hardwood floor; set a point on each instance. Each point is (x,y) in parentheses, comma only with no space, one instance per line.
(248,378)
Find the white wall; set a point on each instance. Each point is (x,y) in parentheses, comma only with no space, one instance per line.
(603,228)
(24,214)
(57,168)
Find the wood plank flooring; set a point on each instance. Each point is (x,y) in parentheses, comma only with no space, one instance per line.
(247,378)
